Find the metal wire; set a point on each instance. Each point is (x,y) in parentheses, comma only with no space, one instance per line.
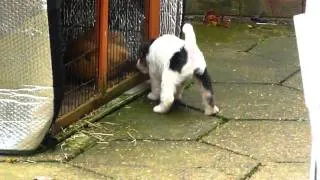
(126,32)
(78,18)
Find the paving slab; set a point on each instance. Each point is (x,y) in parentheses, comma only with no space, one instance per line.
(164,159)
(231,66)
(282,171)
(239,54)
(238,37)
(252,101)
(214,39)
(137,121)
(46,171)
(276,141)
(127,172)
(279,49)
(295,81)
(266,31)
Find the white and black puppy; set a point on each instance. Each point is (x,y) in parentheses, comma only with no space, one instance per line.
(170,61)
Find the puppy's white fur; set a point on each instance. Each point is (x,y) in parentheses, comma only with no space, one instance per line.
(167,84)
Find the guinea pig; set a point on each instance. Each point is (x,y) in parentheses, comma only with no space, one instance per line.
(82,55)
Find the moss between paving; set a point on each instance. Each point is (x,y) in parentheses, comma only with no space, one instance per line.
(64,151)
(282,171)
(104,110)
(276,141)
(252,101)
(163,159)
(56,171)
(237,37)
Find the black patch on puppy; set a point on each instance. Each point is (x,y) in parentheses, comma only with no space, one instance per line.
(204,79)
(178,60)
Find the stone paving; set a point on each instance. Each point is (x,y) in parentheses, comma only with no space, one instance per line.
(262,131)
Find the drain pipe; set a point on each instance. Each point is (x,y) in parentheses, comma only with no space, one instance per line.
(184,5)
(307,27)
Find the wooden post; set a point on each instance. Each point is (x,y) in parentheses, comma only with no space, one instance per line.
(146,21)
(102,35)
(153,18)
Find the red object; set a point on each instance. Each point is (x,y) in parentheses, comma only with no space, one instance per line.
(212,18)
(226,22)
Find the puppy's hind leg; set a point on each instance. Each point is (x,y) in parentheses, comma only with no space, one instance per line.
(155,88)
(204,82)
(179,91)
(168,89)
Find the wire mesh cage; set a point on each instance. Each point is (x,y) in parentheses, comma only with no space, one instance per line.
(78,21)
(126,27)
(101,40)
(80,28)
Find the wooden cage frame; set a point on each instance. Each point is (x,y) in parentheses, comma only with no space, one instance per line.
(152,30)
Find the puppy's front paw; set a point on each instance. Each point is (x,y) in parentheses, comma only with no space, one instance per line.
(153,97)
(160,109)
(211,111)
(143,69)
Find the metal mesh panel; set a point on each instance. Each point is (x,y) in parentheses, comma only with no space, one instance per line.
(78,19)
(171,16)
(26,92)
(126,32)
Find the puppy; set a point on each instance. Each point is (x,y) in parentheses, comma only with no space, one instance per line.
(170,61)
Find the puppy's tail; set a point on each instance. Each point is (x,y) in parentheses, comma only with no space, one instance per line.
(190,37)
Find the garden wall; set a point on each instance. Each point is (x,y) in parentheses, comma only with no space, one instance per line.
(267,8)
